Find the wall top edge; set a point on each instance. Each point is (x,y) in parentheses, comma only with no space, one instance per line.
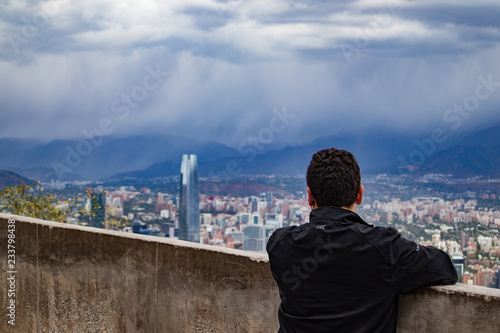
(487,294)
(254,256)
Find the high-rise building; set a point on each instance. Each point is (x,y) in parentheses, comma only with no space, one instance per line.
(497,280)
(243,218)
(189,208)
(254,238)
(98,209)
(255,219)
(459,263)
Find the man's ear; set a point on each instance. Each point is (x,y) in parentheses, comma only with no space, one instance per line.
(310,197)
(359,197)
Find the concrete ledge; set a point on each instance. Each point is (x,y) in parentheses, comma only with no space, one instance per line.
(79,279)
(458,308)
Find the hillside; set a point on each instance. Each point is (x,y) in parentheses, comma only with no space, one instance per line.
(8,178)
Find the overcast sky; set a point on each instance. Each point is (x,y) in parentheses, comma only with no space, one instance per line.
(331,67)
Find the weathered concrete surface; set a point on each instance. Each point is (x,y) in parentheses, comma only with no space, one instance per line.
(78,279)
(459,308)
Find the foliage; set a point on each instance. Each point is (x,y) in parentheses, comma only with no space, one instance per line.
(116,224)
(22,200)
(94,215)
(30,201)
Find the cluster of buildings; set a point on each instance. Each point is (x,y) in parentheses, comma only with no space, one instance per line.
(477,259)
(432,209)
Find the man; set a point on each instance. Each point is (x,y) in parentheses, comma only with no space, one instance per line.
(338,273)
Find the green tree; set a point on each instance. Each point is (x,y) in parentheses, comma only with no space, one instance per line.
(22,200)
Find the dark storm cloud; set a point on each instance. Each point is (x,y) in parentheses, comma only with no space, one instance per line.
(306,12)
(206,19)
(485,15)
(399,64)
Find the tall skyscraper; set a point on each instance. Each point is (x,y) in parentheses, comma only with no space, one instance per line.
(189,208)
(98,209)
(254,238)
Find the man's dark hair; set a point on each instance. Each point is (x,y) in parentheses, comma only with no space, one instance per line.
(334,178)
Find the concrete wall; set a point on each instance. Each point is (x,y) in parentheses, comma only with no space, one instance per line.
(77,279)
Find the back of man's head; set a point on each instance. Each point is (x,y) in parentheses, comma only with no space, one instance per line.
(334,178)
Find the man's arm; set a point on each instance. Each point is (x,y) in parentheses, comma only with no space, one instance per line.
(414,266)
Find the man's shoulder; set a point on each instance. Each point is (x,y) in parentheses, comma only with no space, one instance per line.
(377,233)
(279,234)
(385,239)
(292,228)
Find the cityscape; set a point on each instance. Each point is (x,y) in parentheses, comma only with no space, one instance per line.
(150,149)
(428,210)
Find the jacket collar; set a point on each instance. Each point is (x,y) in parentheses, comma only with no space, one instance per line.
(331,213)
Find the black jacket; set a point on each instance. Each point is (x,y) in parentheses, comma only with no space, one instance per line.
(340,274)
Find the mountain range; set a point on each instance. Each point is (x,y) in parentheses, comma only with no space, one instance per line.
(158,155)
